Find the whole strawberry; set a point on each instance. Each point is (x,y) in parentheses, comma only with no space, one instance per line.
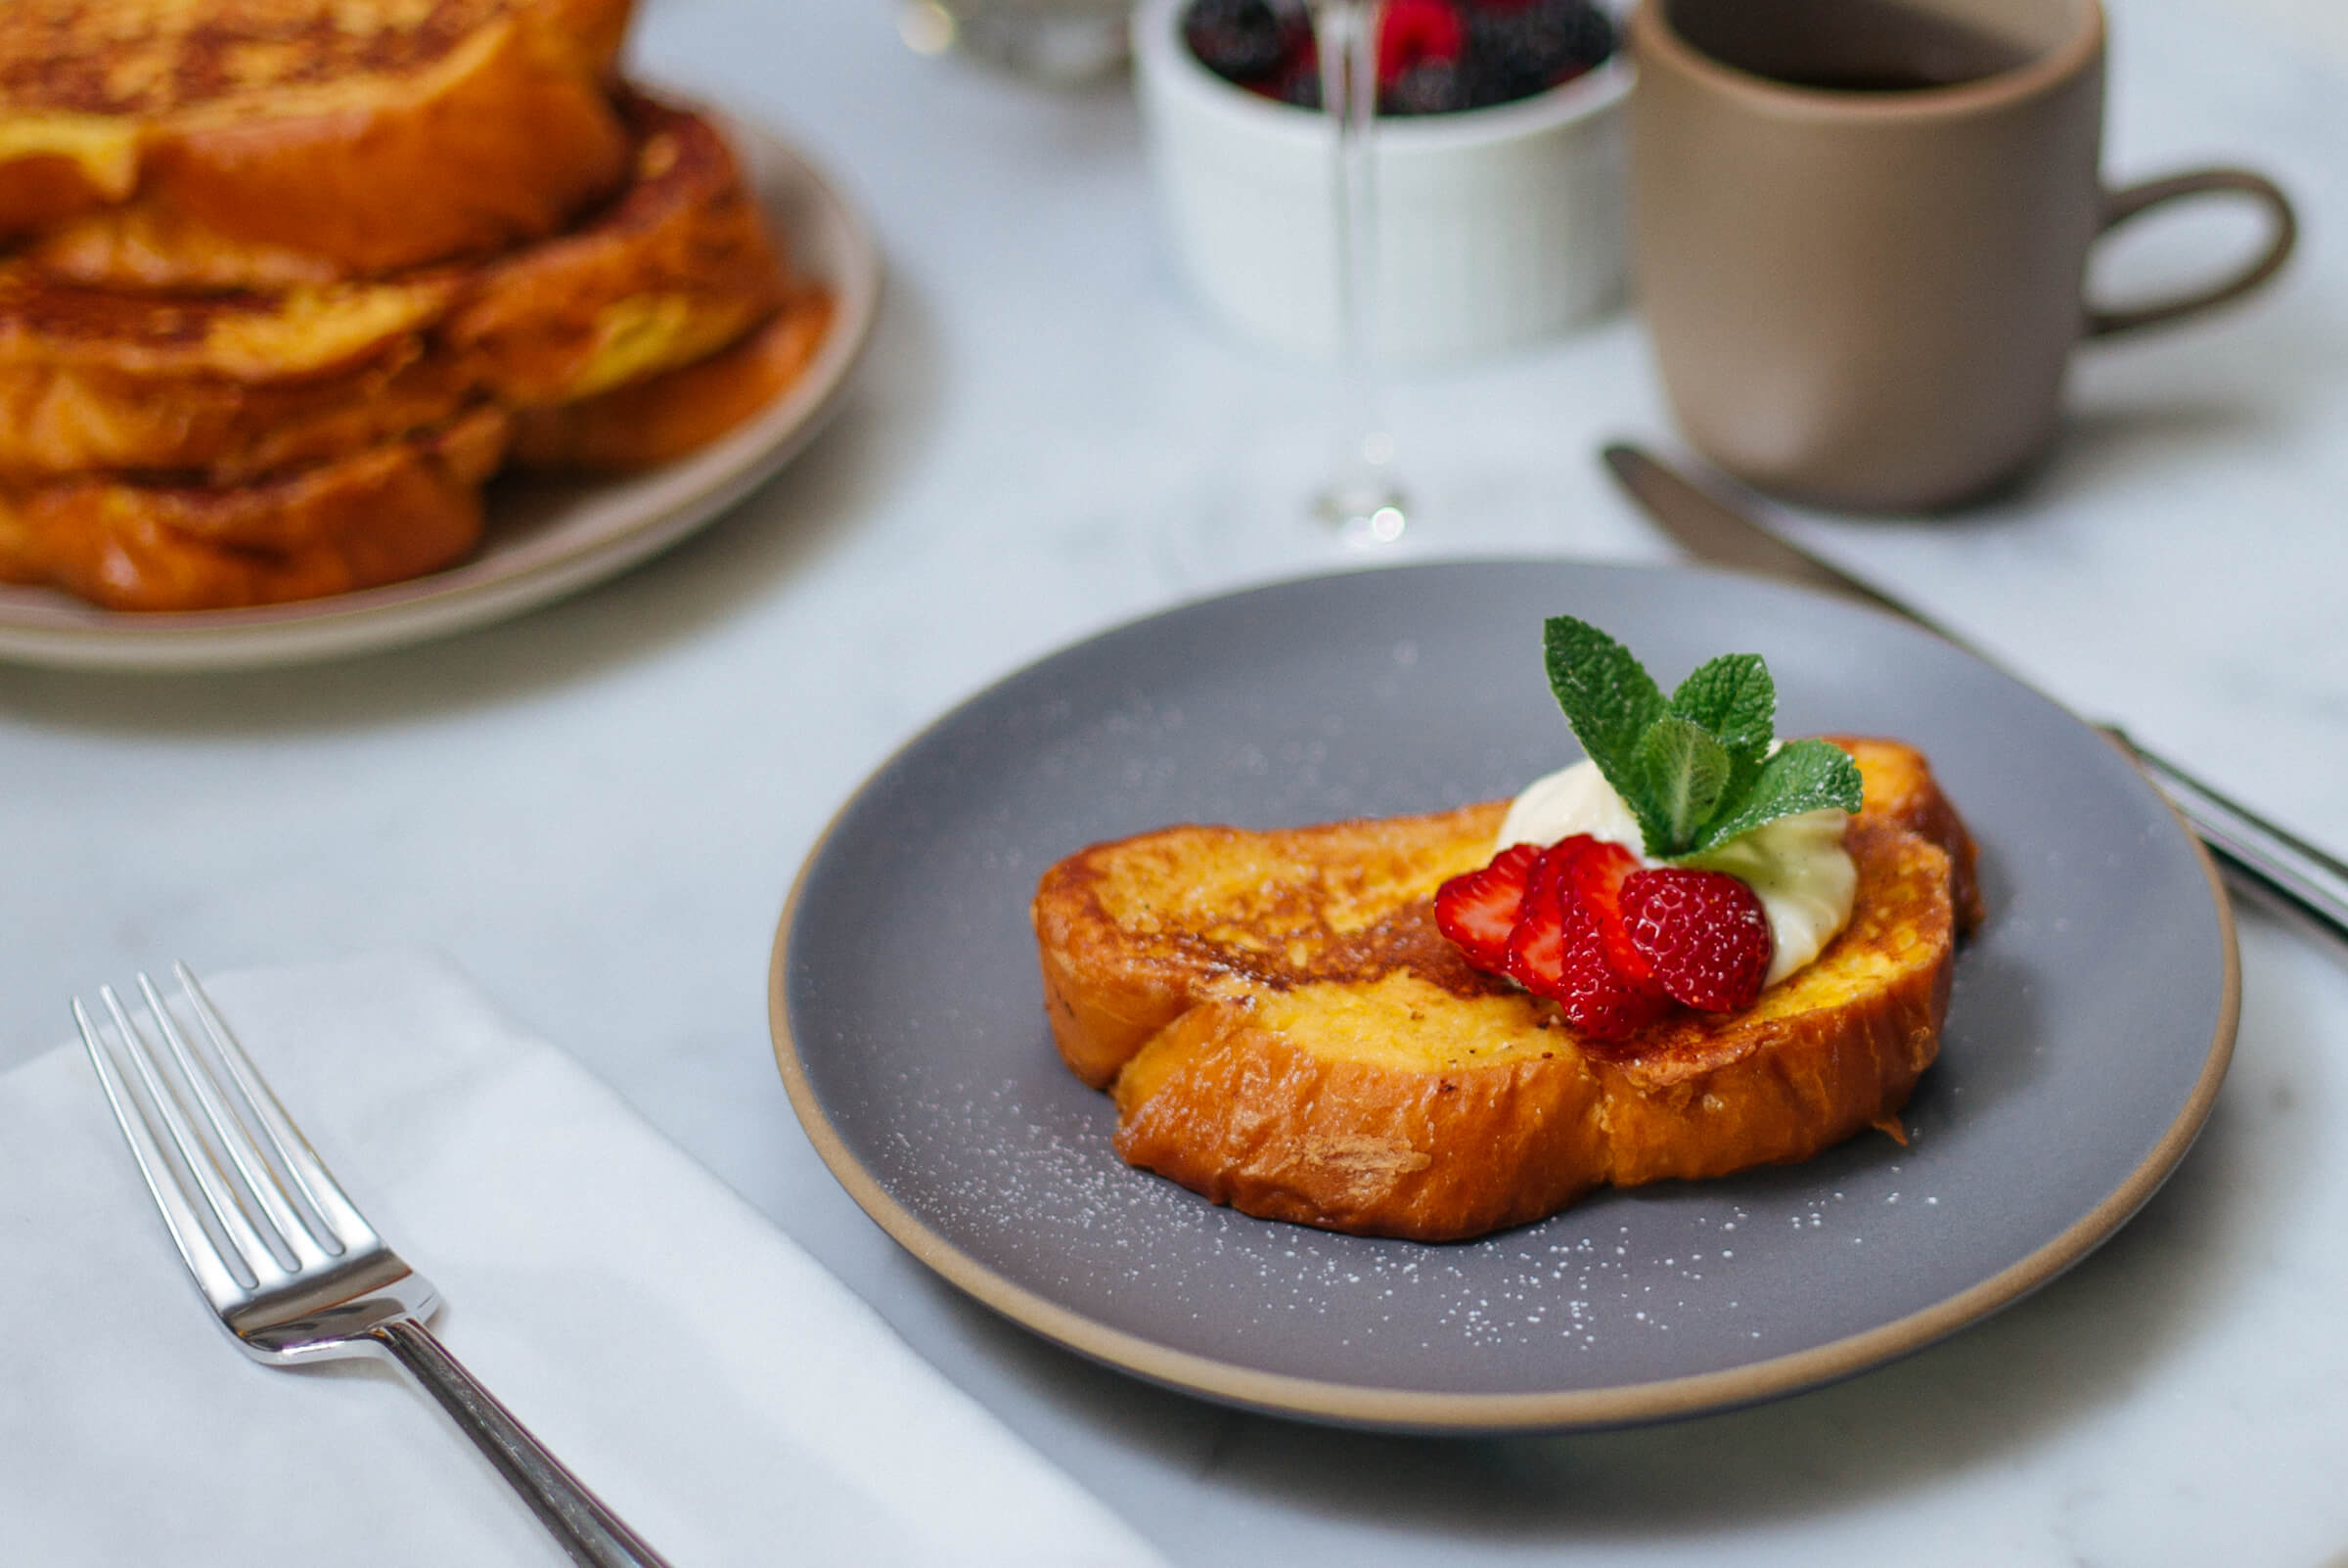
(1702,935)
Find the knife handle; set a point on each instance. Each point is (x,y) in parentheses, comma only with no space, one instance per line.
(2290,868)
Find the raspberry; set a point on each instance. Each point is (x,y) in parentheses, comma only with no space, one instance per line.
(1479,909)
(1704,933)
(1568,940)
(1414,32)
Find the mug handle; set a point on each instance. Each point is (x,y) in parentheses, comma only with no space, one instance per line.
(2121,205)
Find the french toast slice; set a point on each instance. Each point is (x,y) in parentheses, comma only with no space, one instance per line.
(379,516)
(229,387)
(257,143)
(1284,1029)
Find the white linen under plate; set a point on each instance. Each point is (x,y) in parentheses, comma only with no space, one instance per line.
(728,1397)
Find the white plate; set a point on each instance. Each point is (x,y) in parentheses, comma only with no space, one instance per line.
(545,538)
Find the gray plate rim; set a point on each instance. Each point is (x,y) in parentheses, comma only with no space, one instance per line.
(1465,1414)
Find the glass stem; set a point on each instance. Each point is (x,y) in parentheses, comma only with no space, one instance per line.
(1365,501)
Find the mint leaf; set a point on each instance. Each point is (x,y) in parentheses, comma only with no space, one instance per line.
(1685,769)
(1695,770)
(1733,698)
(1802,776)
(1608,698)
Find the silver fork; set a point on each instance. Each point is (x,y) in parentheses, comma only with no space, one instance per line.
(280,1252)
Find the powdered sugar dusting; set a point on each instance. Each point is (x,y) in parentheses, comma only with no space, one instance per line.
(1058,1212)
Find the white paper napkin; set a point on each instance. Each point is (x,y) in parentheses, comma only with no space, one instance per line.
(727,1396)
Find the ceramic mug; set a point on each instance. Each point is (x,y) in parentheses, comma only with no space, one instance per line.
(1861,230)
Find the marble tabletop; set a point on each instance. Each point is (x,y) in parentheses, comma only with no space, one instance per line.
(597,809)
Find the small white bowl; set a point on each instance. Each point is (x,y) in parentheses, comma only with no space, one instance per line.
(1495,226)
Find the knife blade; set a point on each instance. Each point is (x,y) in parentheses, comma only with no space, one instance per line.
(1709,526)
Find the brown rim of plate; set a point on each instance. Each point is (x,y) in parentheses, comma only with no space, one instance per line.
(1470,1414)
(1653,40)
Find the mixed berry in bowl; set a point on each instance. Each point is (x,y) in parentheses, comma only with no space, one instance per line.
(1434,57)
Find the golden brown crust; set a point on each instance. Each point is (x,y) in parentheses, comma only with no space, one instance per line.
(662,418)
(1245,1111)
(304,333)
(381,515)
(678,268)
(1133,932)
(1286,1032)
(150,60)
(60,422)
(369,136)
(1901,789)
(225,388)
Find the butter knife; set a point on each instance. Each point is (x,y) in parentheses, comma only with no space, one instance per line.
(1713,528)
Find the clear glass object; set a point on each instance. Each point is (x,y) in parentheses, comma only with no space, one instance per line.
(1365,501)
(1049,40)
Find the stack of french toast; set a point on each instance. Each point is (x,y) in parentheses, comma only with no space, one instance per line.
(286,282)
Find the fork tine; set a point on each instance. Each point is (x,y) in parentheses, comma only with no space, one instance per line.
(293,1152)
(231,1134)
(197,1156)
(220,1286)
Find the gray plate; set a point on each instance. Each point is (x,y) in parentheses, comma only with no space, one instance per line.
(2091,1024)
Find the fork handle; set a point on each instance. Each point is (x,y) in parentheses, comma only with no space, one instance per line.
(591,1533)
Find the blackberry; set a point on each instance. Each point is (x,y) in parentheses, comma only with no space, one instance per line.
(1432,87)
(1239,40)
(1528,49)
(1301,86)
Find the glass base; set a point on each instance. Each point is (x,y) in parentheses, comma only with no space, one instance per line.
(1367,510)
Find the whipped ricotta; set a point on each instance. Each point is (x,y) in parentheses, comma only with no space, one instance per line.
(1796,865)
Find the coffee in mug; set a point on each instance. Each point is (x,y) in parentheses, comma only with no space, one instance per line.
(1861,229)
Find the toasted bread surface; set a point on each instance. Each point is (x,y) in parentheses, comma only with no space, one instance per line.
(1900,790)
(379,516)
(62,423)
(365,135)
(1133,933)
(1286,1031)
(1347,1104)
(678,268)
(229,387)
(290,337)
(662,418)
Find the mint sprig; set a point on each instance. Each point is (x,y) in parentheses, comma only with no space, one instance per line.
(1695,768)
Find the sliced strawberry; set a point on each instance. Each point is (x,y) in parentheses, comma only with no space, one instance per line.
(1598,873)
(1536,953)
(1562,947)
(1704,933)
(1479,909)
(1597,998)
